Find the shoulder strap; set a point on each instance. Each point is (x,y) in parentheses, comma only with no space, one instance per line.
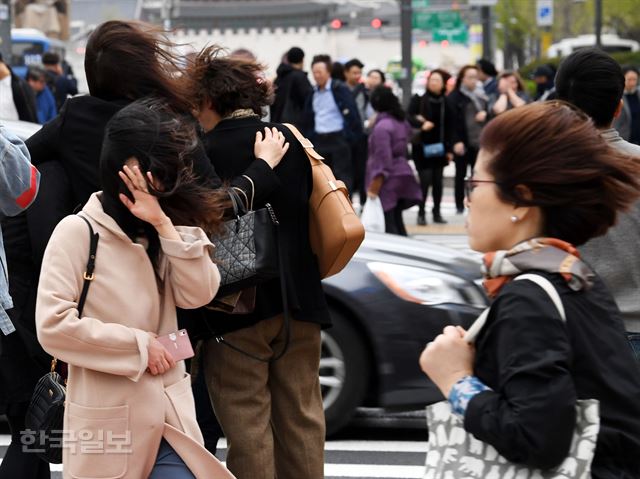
(91,263)
(544,283)
(306,144)
(549,288)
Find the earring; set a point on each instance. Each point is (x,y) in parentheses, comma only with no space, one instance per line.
(514,219)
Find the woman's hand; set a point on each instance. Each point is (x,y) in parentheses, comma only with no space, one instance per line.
(481,116)
(272,147)
(448,358)
(428,126)
(145,206)
(160,360)
(458,148)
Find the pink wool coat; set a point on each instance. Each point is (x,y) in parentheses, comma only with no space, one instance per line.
(116,412)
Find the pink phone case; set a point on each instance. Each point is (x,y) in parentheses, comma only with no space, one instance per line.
(178,344)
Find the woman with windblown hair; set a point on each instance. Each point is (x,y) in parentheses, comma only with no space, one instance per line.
(129,407)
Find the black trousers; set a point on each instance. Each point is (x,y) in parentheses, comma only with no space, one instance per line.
(462,166)
(431,177)
(17,463)
(393,221)
(337,154)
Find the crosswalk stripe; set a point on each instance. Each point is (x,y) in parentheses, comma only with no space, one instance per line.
(333,470)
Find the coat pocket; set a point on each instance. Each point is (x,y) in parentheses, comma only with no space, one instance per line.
(182,413)
(98,441)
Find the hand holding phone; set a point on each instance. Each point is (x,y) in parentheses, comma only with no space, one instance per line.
(178,344)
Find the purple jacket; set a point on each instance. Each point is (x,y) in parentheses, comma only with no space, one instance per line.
(388,157)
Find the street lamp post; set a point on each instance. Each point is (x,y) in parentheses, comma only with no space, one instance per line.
(406,12)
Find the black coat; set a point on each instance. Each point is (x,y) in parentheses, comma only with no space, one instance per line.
(537,367)
(457,103)
(24,99)
(429,107)
(230,147)
(292,89)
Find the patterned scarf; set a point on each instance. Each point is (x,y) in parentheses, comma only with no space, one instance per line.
(544,254)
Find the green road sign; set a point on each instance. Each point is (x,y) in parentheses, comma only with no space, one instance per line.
(419,3)
(435,20)
(453,35)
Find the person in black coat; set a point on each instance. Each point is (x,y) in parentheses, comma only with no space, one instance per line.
(266,405)
(292,89)
(517,388)
(431,113)
(24,98)
(469,108)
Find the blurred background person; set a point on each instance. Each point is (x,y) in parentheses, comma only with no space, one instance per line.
(510,94)
(292,87)
(487,74)
(17,100)
(353,73)
(332,120)
(431,114)
(337,72)
(389,175)
(544,76)
(375,78)
(468,116)
(61,84)
(628,122)
(45,102)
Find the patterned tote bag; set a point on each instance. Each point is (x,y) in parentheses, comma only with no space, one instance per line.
(456,454)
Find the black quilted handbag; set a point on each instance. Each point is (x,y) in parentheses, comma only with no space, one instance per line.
(246,249)
(44,418)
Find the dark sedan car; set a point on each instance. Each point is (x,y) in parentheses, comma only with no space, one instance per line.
(394,296)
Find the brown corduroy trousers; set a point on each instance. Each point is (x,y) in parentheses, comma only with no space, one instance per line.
(271,413)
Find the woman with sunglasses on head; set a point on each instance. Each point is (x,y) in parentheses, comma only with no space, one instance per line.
(545,182)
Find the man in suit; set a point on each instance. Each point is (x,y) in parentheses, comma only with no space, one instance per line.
(333,119)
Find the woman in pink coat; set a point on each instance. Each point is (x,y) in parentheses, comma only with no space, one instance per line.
(130,410)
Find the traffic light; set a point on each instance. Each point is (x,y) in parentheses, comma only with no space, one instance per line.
(378,23)
(337,24)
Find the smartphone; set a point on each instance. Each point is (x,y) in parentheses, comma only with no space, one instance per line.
(178,344)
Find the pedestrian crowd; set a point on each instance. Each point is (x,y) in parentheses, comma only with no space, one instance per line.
(110,214)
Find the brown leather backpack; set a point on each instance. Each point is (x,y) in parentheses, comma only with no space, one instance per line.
(335,231)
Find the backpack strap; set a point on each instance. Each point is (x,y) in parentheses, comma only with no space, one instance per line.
(544,283)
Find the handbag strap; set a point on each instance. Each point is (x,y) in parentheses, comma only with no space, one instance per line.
(544,283)
(312,154)
(88,275)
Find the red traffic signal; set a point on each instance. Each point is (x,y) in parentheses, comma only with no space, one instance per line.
(336,23)
(376,23)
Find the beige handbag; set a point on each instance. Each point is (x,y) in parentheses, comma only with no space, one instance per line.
(335,231)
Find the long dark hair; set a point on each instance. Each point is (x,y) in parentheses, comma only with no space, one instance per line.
(163,143)
(130,60)
(384,101)
(576,179)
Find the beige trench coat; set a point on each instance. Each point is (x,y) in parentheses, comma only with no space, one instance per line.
(116,412)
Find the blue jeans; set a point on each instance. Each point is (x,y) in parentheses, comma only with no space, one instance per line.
(169,465)
(634,341)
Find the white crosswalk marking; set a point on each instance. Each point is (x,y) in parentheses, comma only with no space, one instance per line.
(345,459)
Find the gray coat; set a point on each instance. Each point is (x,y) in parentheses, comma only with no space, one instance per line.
(614,256)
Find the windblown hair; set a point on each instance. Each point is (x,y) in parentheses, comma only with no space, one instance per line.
(575,177)
(131,60)
(229,83)
(164,144)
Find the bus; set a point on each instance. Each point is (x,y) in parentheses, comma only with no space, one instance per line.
(27,47)
(611,43)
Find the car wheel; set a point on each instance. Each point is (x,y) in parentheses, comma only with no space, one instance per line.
(344,371)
